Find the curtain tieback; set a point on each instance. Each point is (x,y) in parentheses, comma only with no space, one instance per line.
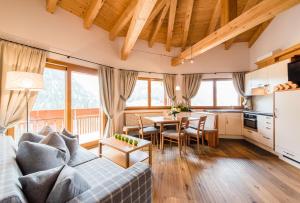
(185,98)
(123,98)
(2,130)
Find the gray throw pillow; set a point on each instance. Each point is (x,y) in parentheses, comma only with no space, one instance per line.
(68,134)
(68,185)
(33,157)
(30,137)
(46,130)
(71,143)
(37,186)
(55,140)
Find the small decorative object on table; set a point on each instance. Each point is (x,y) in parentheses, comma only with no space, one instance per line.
(177,108)
(125,138)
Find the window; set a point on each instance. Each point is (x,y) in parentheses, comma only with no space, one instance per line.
(204,96)
(148,93)
(216,93)
(226,94)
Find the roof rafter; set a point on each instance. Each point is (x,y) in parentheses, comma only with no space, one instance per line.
(51,5)
(158,7)
(187,22)
(123,20)
(172,14)
(92,12)
(214,18)
(232,15)
(159,23)
(261,28)
(246,21)
(140,16)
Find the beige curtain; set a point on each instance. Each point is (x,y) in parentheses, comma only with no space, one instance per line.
(14,57)
(238,80)
(127,81)
(170,85)
(106,88)
(190,86)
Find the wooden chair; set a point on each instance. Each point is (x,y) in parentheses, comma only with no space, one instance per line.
(151,132)
(197,134)
(176,136)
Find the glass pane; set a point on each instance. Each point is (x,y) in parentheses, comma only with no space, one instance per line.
(139,96)
(226,94)
(205,95)
(49,105)
(85,107)
(157,93)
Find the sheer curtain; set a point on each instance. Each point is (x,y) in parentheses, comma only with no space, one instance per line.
(170,85)
(190,86)
(14,57)
(107,92)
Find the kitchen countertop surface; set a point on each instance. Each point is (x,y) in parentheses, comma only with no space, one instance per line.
(238,111)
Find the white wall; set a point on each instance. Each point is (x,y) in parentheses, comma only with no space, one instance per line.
(283,32)
(28,22)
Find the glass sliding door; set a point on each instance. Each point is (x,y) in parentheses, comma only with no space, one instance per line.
(86,118)
(49,106)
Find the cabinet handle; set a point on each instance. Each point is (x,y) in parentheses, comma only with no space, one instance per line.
(266,137)
(249,131)
(268,123)
(268,128)
(288,153)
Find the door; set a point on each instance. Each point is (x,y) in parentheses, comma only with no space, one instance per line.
(278,73)
(234,124)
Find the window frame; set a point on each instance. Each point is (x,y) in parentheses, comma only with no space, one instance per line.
(214,106)
(149,106)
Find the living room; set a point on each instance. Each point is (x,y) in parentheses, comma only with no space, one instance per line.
(149,101)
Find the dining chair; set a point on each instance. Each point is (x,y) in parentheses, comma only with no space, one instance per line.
(197,134)
(176,136)
(150,131)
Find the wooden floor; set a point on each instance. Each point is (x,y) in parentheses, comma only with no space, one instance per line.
(236,171)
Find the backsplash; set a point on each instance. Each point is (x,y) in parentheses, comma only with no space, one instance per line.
(263,103)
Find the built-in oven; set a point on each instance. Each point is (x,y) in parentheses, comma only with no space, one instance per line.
(250,121)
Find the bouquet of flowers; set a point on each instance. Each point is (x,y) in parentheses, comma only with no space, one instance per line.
(177,108)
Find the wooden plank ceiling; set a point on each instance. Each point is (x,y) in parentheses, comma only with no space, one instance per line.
(175,23)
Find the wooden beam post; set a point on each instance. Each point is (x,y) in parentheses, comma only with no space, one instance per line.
(172,14)
(140,16)
(232,15)
(258,32)
(123,20)
(92,12)
(51,5)
(215,18)
(258,14)
(186,27)
(158,24)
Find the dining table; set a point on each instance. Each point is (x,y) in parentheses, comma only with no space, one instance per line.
(161,121)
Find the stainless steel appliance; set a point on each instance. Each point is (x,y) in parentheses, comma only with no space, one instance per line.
(250,121)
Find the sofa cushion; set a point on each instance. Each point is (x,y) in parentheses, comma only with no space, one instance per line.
(68,185)
(37,186)
(33,157)
(68,134)
(30,137)
(71,143)
(55,140)
(81,156)
(45,130)
(10,187)
(98,170)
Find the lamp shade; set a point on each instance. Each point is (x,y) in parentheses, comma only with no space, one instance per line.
(18,80)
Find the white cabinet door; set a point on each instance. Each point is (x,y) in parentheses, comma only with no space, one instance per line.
(278,73)
(248,84)
(265,130)
(234,124)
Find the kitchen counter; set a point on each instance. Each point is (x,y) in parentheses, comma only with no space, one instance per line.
(238,111)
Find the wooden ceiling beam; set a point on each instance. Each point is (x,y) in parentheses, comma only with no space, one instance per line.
(172,14)
(186,27)
(249,4)
(158,24)
(232,15)
(158,7)
(123,20)
(260,29)
(214,18)
(92,13)
(51,5)
(140,16)
(258,14)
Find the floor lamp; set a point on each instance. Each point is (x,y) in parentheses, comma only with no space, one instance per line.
(24,81)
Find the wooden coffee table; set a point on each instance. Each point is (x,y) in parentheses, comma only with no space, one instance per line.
(132,153)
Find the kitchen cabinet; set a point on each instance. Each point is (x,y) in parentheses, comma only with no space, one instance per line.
(230,124)
(269,77)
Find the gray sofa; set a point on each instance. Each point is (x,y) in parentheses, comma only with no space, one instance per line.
(110,182)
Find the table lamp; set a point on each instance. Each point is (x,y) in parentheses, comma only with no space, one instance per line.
(24,81)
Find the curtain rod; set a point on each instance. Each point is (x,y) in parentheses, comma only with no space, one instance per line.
(99,64)
(81,59)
